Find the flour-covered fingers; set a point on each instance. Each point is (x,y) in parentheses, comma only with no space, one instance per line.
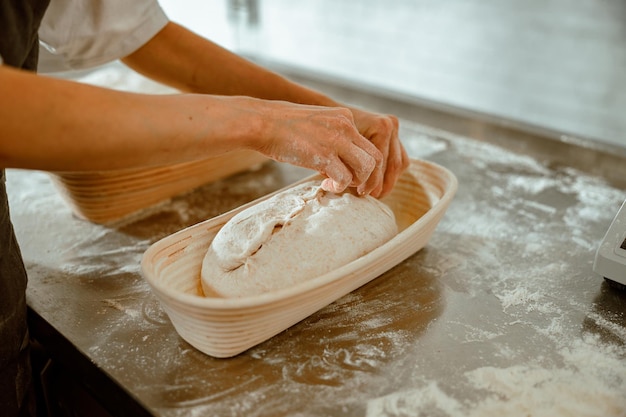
(382,130)
(339,177)
(397,162)
(321,138)
(381,136)
(362,159)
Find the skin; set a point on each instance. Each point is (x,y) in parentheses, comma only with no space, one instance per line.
(226,103)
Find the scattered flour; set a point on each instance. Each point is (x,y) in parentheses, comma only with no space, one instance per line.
(492,288)
(431,399)
(579,389)
(517,296)
(535,357)
(538,392)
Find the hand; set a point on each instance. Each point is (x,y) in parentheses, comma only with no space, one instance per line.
(325,139)
(382,131)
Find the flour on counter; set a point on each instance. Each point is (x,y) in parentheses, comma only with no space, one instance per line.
(517,296)
(579,389)
(500,314)
(539,351)
(538,392)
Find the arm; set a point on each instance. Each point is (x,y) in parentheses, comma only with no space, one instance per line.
(181,59)
(58,125)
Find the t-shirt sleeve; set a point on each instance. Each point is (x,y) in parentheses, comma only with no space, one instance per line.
(78,34)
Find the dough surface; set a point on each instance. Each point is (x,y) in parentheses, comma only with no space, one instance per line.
(296,235)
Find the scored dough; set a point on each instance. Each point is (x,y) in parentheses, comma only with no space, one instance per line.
(296,235)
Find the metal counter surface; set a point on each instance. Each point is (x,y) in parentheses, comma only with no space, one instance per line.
(500,314)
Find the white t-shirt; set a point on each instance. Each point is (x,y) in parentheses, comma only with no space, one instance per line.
(78,34)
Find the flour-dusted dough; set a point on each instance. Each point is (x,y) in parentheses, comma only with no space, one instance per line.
(296,235)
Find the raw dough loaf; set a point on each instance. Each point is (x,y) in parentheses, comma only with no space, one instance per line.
(296,235)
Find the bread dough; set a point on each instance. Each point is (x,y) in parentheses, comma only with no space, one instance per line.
(296,235)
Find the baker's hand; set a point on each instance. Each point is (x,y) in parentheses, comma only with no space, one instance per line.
(382,131)
(327,140)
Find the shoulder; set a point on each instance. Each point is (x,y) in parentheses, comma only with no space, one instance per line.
(78,34)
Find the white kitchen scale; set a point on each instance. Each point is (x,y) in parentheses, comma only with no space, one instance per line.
(610,259)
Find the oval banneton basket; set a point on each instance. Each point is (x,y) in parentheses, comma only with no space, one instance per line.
(225,327)
(105,196)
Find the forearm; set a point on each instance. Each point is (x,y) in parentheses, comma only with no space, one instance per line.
(179,58)
(53,124)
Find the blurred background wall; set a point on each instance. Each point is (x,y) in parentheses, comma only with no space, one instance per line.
(556,64)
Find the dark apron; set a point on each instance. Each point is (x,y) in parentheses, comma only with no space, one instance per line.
(15,374)
(19,46)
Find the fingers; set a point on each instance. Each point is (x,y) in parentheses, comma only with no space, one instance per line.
(351,148)
(332,186)
(342,153)
(397,163)
(382,131)
(363,158)
(352,166)
(339,177)
(371,159)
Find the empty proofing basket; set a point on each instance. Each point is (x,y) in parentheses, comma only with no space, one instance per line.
(105,196)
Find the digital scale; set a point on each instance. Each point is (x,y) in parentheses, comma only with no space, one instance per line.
(610,259)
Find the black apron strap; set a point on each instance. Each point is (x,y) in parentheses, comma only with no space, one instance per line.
(15,373)
(19,47)
(19,23)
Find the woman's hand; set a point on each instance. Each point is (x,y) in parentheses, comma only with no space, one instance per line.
(382,131)
(352,147)
(325,139)
(339,142)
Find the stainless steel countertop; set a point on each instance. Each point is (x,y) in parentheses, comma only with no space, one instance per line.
(501,313)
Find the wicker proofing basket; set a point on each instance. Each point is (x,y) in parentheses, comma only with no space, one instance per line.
(224,327)
(106,196)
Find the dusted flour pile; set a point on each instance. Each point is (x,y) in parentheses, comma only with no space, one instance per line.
(296,235)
